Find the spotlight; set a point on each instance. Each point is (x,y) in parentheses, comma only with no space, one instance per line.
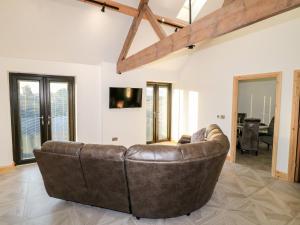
(163,20)
(103,8)
(191,46)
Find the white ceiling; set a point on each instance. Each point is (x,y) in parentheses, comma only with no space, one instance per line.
(72,31)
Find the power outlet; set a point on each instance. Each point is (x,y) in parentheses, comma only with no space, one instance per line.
(221,117)
(115,139)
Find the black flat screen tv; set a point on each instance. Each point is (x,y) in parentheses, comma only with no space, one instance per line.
(125,97)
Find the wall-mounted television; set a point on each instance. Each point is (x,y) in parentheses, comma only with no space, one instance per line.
(125,97)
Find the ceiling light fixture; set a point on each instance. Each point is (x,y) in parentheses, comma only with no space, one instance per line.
(103,7)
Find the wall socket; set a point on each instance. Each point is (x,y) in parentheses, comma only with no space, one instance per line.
(221,117)
(115,139)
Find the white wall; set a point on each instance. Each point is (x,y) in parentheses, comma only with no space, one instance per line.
(257,99)
(88,98)
(95,122)
(269,46)
(129,125)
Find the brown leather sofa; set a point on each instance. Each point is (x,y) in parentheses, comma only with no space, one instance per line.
(149,181)
(87,174)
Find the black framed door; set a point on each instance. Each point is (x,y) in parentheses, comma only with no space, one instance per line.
(159,97)
(42,108)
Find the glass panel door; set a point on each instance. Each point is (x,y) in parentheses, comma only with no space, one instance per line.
(163,113)
(29,107)
(158,112)
(59,105)
(150,114)
(42,108)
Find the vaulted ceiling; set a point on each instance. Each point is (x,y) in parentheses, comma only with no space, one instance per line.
(72,31)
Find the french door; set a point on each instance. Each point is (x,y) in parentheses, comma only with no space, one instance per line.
(42,108)
(158,112)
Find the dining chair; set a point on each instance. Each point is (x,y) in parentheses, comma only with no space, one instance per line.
(241,117)
(268,137)
(249,140)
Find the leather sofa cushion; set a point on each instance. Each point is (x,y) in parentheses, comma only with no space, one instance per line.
(106,152)
(154,153)
(185,139)
(211,127)
(104,171)
(212,131)
(64,148)
(169,181)
(206,149)
(198,136)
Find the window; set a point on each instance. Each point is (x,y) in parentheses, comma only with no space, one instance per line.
(197,5)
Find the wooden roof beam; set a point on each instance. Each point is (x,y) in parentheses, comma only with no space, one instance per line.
(131,11)
(154,23)
(227,2)
(230,17)
(133,29)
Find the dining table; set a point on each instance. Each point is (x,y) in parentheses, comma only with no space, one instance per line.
(262,128)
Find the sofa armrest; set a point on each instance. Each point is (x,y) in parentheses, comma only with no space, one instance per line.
(185,139)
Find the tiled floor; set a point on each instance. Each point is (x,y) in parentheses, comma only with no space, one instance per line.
(243,196)
(263,161)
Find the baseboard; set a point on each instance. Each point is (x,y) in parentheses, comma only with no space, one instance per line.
(4,169)
(282,176)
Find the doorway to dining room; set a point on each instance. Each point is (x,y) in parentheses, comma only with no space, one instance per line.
(255,120)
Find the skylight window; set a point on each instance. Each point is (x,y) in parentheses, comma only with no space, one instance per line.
(197,5)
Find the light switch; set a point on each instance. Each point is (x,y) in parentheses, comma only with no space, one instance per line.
(114,139)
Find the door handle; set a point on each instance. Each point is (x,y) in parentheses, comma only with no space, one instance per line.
(42,120)
(49,120)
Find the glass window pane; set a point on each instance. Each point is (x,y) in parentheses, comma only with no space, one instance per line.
(149,106)
(29,117)
(163,113)
(59,111)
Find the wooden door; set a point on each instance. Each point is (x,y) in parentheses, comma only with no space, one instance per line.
(297,175)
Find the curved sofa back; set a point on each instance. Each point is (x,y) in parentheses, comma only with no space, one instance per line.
(169,181)
(151,181)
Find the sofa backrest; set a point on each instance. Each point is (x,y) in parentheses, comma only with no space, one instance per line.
(152,181)
(60,166)
(181,176)
(104,171)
